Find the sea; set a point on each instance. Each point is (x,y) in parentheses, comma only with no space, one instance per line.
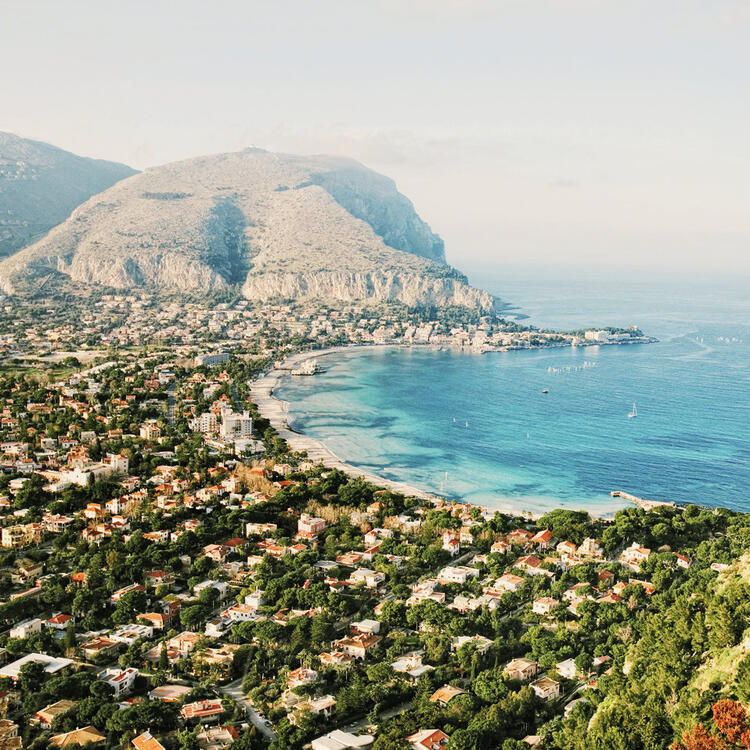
(478,428)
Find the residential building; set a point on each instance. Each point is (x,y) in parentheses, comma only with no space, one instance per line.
(129,634)
(100,647)
(169,693)
(26,628)
(451,543)
(45,716)
(340,740)
(546,688)
(146,741)
(428,739)
(456,574)
(84,736)
(208,710)
(120,680)
(544,605)
(567,669)
(301,676)
(21,535)
(356,646)
(521,669)
(634,556)
(307,524)
(444,695)
(317,706)
(52,664)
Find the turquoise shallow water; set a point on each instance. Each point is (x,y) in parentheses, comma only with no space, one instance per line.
(404,413)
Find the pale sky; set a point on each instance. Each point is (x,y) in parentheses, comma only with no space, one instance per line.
(576,132)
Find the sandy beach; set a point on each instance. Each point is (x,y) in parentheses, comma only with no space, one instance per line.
(275,410)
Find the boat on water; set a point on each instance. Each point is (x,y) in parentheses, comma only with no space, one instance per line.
(633,413)
(308,367)
(545,390)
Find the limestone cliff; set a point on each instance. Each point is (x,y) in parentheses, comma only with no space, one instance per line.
(273,225)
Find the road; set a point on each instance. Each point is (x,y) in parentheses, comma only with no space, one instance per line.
(234,690)
(361,724)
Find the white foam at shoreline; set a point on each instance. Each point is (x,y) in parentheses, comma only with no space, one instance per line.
(276,411)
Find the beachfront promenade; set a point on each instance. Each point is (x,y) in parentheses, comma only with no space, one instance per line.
(275,411)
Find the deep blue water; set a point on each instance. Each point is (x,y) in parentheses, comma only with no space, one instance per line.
(393,411)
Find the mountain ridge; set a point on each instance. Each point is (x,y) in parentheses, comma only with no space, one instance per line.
(272,225)
(41,184)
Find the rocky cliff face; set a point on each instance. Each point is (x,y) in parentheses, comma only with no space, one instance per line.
(384,286)
(40,185)
(274,225)
(374,199)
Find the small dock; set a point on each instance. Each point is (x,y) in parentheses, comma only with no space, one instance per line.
(641,503)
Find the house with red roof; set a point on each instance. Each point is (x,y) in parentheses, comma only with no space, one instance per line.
(428,739)
(543,539)
(208,710)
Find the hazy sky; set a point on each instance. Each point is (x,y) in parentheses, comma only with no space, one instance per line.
(567,131)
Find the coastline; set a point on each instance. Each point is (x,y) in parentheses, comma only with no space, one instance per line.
(275,410)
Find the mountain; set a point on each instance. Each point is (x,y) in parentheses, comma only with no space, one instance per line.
(40,185)
(271,225)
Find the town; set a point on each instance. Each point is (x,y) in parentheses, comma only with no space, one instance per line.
(174,577)
(118,322)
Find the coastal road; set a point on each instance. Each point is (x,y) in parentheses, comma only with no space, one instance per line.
(234,690)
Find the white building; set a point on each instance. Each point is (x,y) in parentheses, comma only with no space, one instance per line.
(235,425)
(456,574)
(220,586)
(26,628)
(129,634)
(120,680)
(338,740)
(211,359)
(205,423)
(51,664)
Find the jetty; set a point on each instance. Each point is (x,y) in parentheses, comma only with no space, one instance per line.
(641,503)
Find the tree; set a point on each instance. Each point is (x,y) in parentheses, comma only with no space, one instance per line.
(163,658)
(70,635)
(742,680)
(31,676)
(191,617)
(732,722)
(699,739)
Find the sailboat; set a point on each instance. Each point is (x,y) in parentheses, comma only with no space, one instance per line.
(633,413)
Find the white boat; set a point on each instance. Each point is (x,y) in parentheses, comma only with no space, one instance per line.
(633,413)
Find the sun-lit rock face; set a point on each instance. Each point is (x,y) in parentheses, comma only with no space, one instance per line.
(274,225)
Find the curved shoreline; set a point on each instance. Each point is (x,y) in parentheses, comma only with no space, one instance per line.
(275,411)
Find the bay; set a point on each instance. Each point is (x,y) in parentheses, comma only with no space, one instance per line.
(478,428)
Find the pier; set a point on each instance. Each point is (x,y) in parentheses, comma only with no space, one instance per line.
(641,503)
